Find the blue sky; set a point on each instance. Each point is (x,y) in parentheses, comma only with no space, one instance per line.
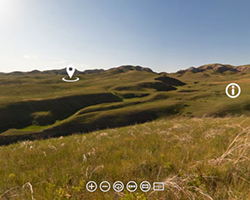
(163,35)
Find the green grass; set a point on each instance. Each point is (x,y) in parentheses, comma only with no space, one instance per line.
(197,158)
(31,104)
(16,88)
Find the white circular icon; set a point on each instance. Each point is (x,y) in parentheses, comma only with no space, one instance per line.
(231,90)
(131,186)
(145,186)
(104,186)
(118,186)
(91,186)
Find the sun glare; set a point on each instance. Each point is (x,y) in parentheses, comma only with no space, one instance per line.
(5,5)
(8,8)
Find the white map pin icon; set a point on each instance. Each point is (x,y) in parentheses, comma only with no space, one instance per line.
(70,70)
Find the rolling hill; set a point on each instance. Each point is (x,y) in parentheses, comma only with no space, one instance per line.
(38,104)
(177,128)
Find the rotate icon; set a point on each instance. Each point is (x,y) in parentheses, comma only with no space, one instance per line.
(118,186)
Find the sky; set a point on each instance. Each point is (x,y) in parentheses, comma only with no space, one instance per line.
(165,35)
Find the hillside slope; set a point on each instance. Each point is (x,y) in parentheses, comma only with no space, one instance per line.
(36,105)
(198,158)
(39,105)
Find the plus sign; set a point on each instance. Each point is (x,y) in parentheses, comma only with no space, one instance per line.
(91,186)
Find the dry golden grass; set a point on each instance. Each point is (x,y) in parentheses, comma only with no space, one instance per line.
(197,158)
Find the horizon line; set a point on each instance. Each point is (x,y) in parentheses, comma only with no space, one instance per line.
(63,68)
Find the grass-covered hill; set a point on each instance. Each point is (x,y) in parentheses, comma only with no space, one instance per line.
(197,142)
(196,158)
(40,105)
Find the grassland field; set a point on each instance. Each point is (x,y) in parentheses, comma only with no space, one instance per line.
(196,158)
(178,128)
(42,103)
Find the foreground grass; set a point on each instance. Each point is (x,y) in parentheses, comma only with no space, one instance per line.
(197,158)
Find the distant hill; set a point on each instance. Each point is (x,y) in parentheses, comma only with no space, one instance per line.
(217,68)
(123,68)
